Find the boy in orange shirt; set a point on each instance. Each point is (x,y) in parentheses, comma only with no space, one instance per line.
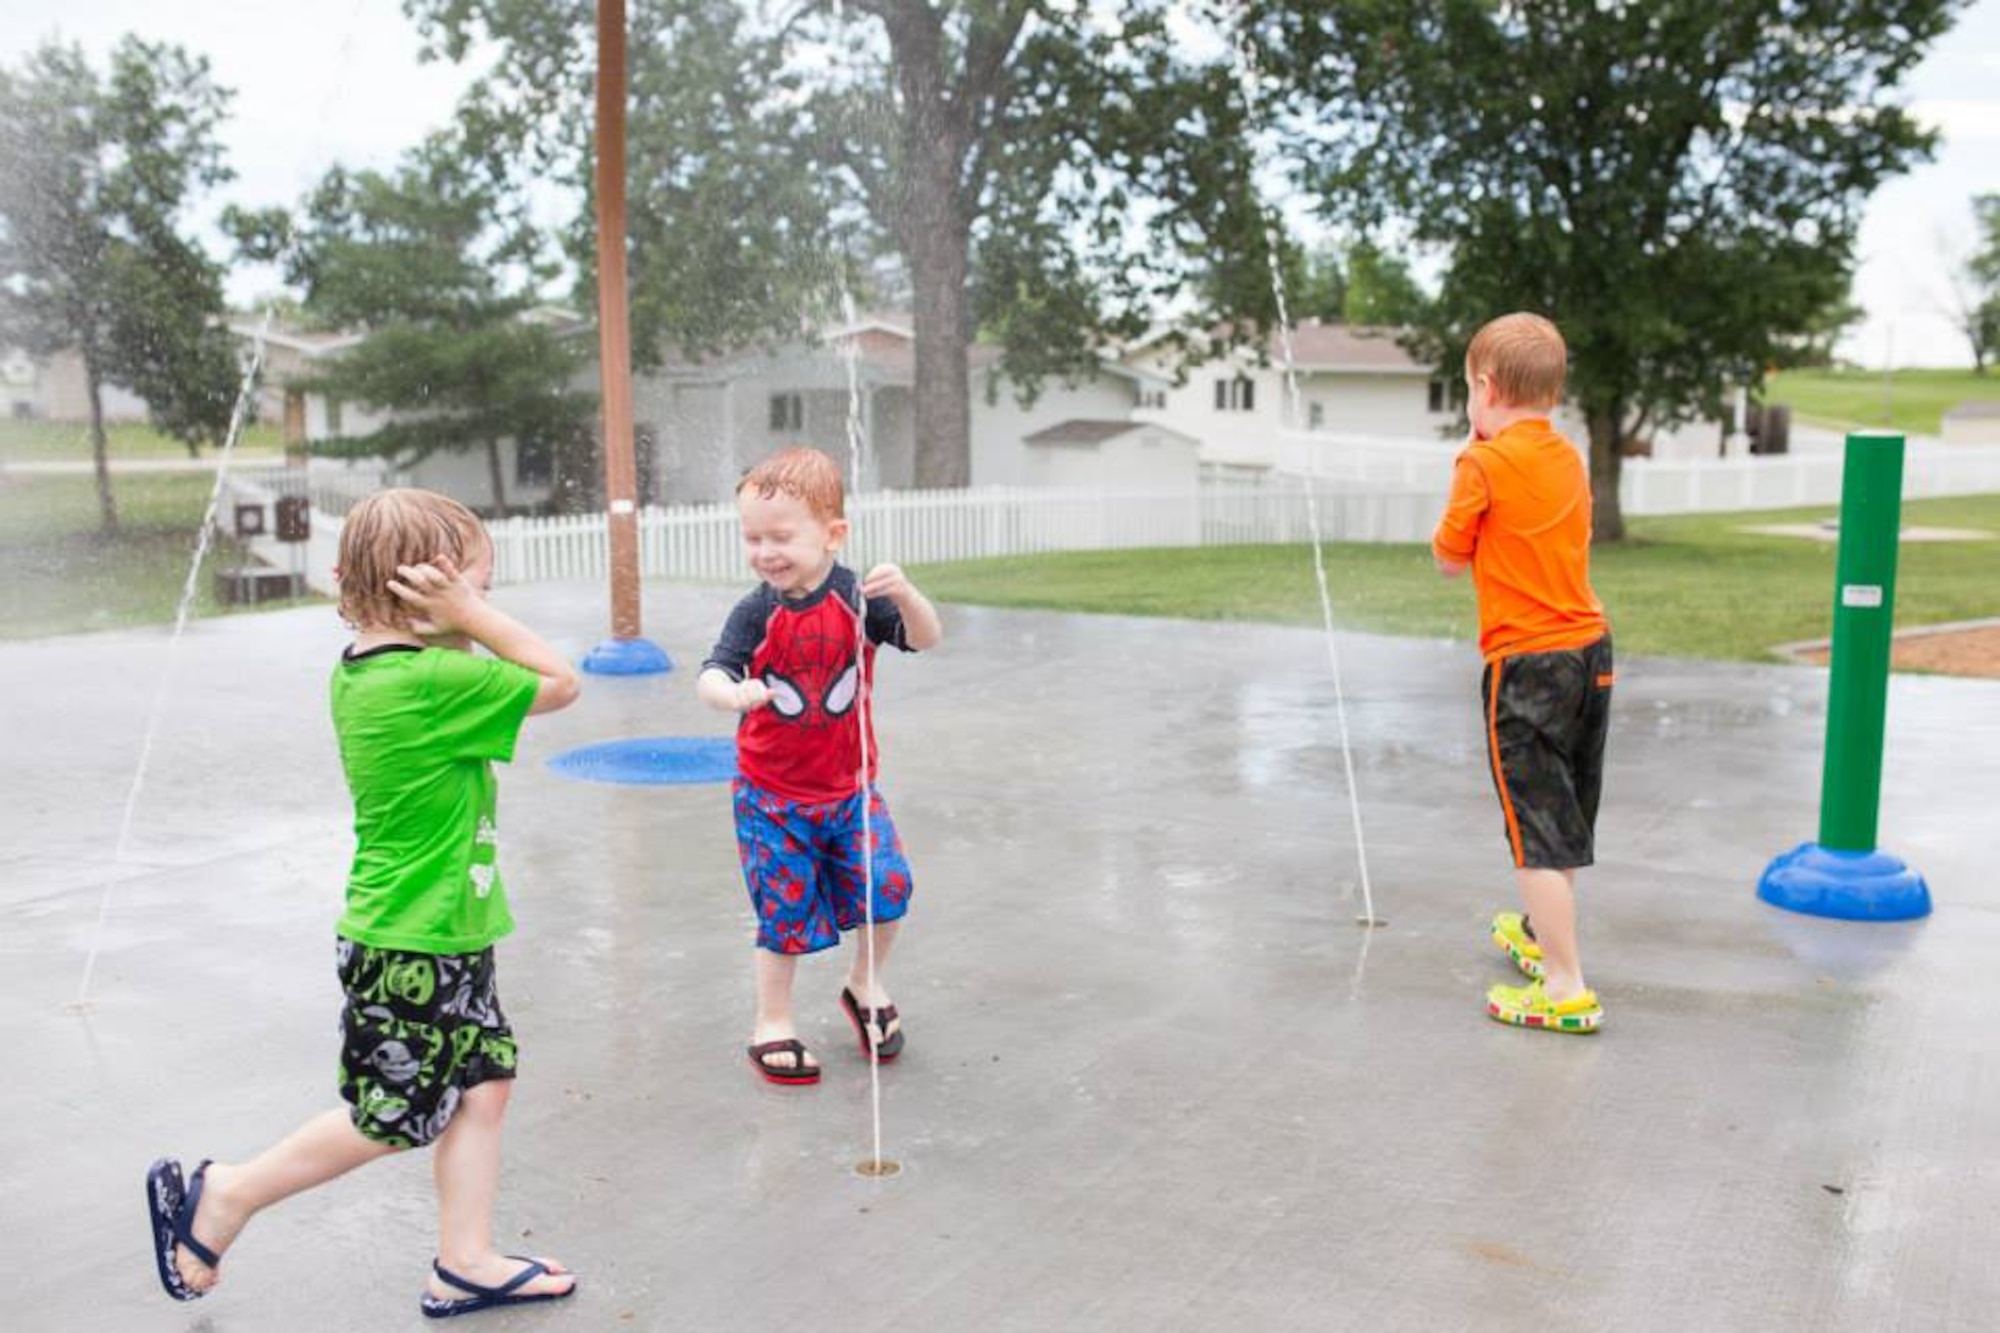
(1519,518)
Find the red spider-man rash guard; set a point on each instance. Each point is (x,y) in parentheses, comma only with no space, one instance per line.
(805,745)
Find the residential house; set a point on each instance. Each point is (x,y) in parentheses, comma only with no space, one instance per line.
(57,390)
(701,424)
(1353,383)
(293,357)
(1357,386)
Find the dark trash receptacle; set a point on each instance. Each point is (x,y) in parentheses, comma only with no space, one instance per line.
(1774,431)
(294,518)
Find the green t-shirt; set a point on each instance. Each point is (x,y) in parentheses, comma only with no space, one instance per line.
(418,731)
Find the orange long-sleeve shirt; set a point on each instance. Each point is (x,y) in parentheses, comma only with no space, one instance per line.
(1519,514)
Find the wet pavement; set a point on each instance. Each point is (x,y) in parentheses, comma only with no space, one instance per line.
(1157,1077)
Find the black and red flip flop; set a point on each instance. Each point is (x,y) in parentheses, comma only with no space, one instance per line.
(879,1019)
(795,1075)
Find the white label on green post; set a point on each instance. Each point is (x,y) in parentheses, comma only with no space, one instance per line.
(1861,594)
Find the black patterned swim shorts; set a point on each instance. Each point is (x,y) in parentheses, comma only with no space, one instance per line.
(417,1030)
(1547,715)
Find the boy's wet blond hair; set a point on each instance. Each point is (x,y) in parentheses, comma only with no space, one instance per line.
(807,475)
(400,526)
(1525,357)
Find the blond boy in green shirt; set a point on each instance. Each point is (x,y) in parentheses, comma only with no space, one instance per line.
(427,1054)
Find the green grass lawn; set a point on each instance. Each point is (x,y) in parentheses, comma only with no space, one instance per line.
(57,576)
(1914,401)
(1686,587)
(52,441)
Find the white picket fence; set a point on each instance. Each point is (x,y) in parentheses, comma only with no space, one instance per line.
(1660,486)
(704,542)
(1368,491)
(1728,485)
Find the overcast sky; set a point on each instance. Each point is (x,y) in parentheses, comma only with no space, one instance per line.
(320,81)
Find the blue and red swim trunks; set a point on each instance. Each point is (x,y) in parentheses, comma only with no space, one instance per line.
(803,864)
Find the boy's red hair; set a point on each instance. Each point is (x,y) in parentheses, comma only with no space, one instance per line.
(807,475)
(1525,357)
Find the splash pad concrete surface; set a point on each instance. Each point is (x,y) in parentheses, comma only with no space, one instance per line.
(1157,1077)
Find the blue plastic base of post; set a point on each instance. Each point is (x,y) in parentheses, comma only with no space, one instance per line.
(627,657)
(1851,886)
(652,761)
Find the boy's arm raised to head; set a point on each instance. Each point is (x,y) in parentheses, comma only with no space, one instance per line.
(506,637)
(440,595)
(922,627)
(1457,535)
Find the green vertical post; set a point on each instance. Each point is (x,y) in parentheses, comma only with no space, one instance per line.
(1864,602)
(1844,874)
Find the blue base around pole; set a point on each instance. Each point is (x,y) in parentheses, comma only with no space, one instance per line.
(627,657)
(1852,886)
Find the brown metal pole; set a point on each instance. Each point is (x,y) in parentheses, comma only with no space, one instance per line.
(621,482)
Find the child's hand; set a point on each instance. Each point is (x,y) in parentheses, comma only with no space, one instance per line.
(438,596)
(888,581)
(751,695)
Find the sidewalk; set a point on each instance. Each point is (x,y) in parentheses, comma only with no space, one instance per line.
(66,467)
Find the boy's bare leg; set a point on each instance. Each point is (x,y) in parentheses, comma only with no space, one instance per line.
(775,974)
(872,996)
(324,1147)
(1550,896)
(465,1163)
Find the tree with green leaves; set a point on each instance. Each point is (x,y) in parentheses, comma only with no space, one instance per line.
(1042,167)
(438,268)
(1678,183)
(1336,283)
(1977,287)
(1381,290)
(1819,333)
(95,174)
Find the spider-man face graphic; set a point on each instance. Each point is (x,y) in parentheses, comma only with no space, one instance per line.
(821,679)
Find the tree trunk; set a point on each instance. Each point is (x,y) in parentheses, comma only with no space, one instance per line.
(939,264)
(100,449)
(1607,440)
(498,475)
(930,210)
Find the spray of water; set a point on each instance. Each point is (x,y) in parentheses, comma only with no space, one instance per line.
(857,443)
(202,542)
(239,416)
(1246,77)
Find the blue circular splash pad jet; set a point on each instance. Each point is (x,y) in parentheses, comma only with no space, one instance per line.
(652,761)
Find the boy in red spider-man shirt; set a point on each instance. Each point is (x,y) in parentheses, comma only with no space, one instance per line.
(796,660)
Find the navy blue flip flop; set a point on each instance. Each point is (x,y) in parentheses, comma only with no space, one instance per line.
(170,1208)
(487,1298)
(865,1019)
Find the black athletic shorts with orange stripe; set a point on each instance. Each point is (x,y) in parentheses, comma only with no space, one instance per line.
(1546,719)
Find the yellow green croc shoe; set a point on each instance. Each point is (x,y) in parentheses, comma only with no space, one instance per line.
(1530,1007)
(1510,932)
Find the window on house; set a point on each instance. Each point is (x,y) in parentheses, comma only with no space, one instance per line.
(1154,398)
(534,462)
(1237,395)
(1439,391)
(333,416)
(1315,415)
(788,411)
